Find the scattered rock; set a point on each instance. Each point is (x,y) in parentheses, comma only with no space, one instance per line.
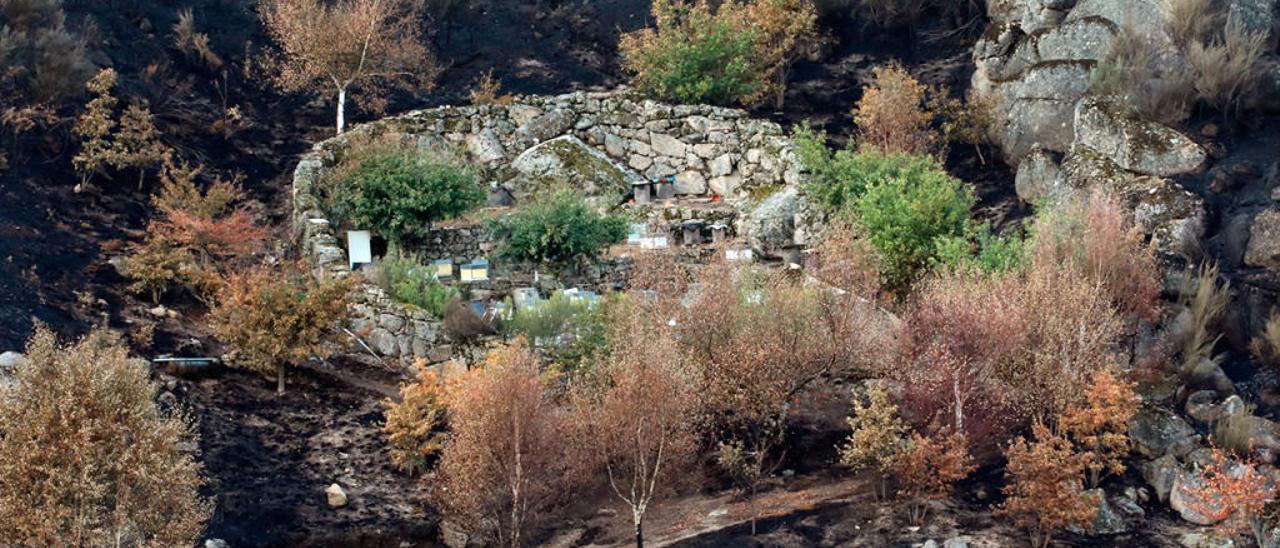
(216,543)
(956,542)
(1191,503)
(1160,473)
(11,359)
(1039,177)
(1114,515)
(336,496)
(1135,144)
(1157,432)
(1205,540)
(159,311)
(1264,240)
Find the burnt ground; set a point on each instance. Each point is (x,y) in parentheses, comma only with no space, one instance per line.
(268,458)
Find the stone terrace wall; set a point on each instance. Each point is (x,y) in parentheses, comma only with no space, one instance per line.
(709,150)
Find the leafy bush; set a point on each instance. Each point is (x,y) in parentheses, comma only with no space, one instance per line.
(878,435)
(985,252)
(276,319)
(573,331)
(44,60)
(400,193)
(412,283)
(696,54)
(557,231)
(908,207)
(929,467)
(87,457)
(891,114)
(1044,487)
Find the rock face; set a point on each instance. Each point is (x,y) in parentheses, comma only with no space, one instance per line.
(1136,145)
(570,163)
(1264,240)
(1040,177)
(1114,515)
(1157,432)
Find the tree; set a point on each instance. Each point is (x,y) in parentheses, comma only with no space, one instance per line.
(1044,485)
(697,53)
(1100,424)
(86,456)
(367,47)
(929,467)
(96,125)
(878,435)
(758,340)
(891,115)
(636,421)
(137,142)
(277,318)
(557,230)
(786,28)
(503,464)
(415,424)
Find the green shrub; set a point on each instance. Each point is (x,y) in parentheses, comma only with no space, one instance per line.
(572,332)
(697,54)
(557,231)
(983,251)
(412,283)
(910,209)
(401,193)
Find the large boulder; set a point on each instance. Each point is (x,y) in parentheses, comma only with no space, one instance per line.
(1263,250)
(568,162)
(770,226)
(1188,499)
(1156,432)
(1112,515)
(1038,107)
(1160,474)
(1137,145)
(1040,177)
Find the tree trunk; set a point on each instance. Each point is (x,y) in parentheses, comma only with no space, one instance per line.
(342,110)
(280,379)
(640,533)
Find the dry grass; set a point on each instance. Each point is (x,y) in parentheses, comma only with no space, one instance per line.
(1133,74)
(1206,301)
(1190,21)
(1266,346)
(1226,68)
(193,43)
(488,91)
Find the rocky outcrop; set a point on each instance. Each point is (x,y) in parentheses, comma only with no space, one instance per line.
(778,222)
(1136,145)
(1157,432)
(1039,177)
(568,162)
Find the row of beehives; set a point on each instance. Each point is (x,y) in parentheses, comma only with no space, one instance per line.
(691,232)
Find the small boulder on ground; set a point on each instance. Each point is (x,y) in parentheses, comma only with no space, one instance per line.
(1263,250)
(1157,432)
(336,496)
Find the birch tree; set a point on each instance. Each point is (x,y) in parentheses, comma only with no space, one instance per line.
(636,424)
(366,48)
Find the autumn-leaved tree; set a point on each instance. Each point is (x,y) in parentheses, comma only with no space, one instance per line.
(787,28)
(415,424)
(635,420)
(86,456)
(1044,485)
(758,340)
(364,47)
(95,126)
(891,115)
(929,467)
(502,466)
(279,317)
(1100,424)
(878,435)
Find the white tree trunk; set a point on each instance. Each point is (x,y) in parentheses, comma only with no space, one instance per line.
(342,108)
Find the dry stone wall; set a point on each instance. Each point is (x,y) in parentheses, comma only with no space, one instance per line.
(597,142)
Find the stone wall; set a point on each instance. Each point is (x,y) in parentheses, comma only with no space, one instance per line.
(710,151)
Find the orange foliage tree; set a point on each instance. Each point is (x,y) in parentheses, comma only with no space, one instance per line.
(1100,424)
(415,424)
(278,318)
(636,420)
(1044,485)
(929,467)
(368,47)
(503,465)
(787,28)
(891,114)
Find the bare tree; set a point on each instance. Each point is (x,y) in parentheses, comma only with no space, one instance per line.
(367,47)
(635,422)
(503,464)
